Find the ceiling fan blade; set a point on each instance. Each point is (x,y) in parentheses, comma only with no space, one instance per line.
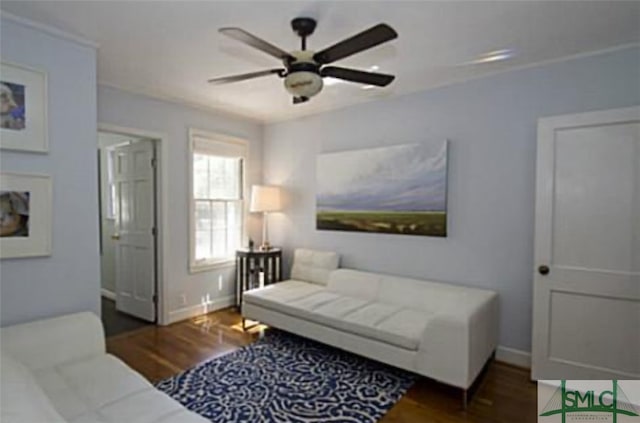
(250,39)
(244,76)
(370,38)
(353,75)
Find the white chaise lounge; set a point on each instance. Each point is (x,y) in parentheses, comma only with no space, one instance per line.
(442,331)
(57,370)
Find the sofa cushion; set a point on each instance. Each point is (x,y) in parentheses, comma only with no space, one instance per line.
(104,389)
(313,266)
(425,295)
(406,327)
(388,323)
(21,398)
(281,292)
(351,314)
(341,306)
(355,283)
(77,388)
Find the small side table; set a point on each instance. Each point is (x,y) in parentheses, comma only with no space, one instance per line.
(255,268)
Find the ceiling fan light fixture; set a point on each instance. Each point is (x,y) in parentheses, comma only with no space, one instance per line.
(303,84)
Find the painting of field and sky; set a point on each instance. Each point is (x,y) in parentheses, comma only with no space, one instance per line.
(399,189)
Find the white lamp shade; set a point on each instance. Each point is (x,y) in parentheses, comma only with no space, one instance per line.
(265,198)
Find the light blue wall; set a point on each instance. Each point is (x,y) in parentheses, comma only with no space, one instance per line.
(173,120)
(491,123)
(68,280)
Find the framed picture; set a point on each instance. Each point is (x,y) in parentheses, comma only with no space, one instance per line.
(400,189)
(23,109)
(25,215)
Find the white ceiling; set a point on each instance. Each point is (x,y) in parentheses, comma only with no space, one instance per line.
(170,49)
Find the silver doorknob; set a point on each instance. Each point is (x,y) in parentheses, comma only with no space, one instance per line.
(115,237)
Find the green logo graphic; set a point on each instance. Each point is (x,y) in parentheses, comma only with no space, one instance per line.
(565,401)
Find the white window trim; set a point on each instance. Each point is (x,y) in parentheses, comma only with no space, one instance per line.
(197,267)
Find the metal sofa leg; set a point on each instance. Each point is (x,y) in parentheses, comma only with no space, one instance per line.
(465,398)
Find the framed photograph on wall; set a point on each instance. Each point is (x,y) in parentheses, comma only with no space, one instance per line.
(23,109)
(25,215)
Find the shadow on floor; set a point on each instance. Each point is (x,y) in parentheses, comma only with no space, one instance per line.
(115,322)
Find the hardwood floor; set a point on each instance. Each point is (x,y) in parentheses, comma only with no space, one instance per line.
(504,393)
(115,322)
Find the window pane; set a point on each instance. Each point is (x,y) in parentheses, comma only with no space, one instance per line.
(224,177)
(203,216)
(200,176)
(112,204)
(203,230)
(203,245)
(234,225)
(111,192)
(220,243)
(234,213)
(219,220)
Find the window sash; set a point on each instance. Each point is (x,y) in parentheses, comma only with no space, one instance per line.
(214,240)
(207,231)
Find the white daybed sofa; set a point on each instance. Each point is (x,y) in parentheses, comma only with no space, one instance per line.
(442,331)
(56,370)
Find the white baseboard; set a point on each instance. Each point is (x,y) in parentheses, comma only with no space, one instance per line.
(200,309)
(513,356)
(108,294)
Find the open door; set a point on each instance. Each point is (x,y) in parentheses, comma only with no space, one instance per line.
(586,319)
(135,246)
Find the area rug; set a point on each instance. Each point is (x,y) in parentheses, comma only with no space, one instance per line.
(286,378)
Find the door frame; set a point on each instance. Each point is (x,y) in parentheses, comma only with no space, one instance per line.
(543,225)
(161,206)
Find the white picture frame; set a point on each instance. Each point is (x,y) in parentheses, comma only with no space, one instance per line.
(24,125)
(25,215)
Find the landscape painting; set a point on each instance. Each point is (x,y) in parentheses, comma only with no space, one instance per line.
(399,189)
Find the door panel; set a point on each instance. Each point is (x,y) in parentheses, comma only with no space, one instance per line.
(135,220)
(574,319)
(587,307)
(594,197)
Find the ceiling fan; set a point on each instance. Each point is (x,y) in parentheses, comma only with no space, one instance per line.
(304,69)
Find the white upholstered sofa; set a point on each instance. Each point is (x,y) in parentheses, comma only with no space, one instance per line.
(57,370)
(442,331)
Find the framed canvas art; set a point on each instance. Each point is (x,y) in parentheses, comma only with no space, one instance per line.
(25,215)
(23,109)
(400,189)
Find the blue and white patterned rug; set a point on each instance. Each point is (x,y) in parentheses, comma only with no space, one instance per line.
(286,378)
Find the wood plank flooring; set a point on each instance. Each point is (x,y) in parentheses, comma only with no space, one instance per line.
(504,393)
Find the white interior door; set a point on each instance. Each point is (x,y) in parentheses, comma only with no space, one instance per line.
(586,320)
(135,228)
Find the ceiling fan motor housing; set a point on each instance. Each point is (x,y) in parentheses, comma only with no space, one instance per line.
(303,78)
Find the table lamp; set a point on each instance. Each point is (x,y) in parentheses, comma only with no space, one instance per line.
(265,199)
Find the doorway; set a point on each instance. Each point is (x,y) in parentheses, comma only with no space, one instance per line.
(128,232)
(587,247)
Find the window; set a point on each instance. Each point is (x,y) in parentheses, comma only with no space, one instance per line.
(217,200)
(110,184)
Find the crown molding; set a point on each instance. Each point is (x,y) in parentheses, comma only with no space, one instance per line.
(49,30)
